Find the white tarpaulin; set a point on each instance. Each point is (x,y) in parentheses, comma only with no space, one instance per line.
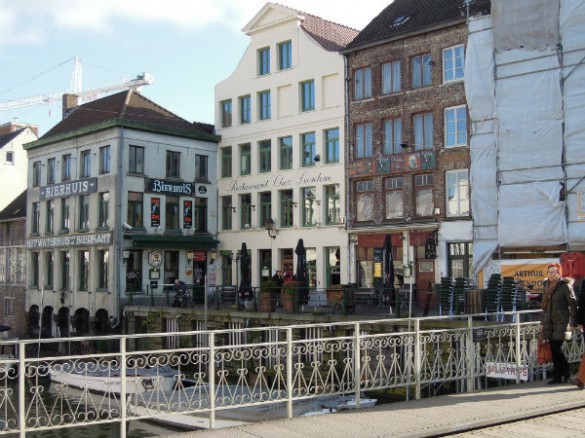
(532,141)
(531,214)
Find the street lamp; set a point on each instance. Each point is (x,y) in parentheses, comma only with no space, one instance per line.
(271,228)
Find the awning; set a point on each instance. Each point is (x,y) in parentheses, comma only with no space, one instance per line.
(202,241)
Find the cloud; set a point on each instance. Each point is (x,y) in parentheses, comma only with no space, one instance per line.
(31,21)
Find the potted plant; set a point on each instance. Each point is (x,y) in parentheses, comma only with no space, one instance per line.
(266,303)
(289,296)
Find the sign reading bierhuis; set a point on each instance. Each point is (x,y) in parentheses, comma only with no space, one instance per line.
(69,188)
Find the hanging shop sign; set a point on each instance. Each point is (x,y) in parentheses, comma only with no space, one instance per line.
(155,258)
(199,256)
(155,212)
(187,214)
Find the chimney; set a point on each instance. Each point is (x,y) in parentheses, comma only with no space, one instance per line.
(70,102)
(10,127)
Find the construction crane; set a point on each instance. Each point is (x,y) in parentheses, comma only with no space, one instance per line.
(139,81)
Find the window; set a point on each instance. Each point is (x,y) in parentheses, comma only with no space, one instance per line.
(364,200)
(36,175)
(333,262)
(134,213)
(36,218)
(85,170)
(455,126)
(286,152)
(265,207)
(264,156)
(34,267)
(307,96)
(391,77)
(9,306)
(457,192)
(66,167)
(423,131)
(394,197)
(83,269)
(65,269)
(421,71)
(136,160)
(364,146)
(49,267)
(226,113)
(392,136)
(363,83)
(245,159)
(308,196)
(226,212)
(245,109)
(51,170)
(332,145)
(50,224)
(173,164)
(245,211)
(309,149)
(172,213)
(284,55)
(453,63)
(264,111)
(264,61)
(105,159)
(10,157)
(424,195)
(134,272)
(83,212)
(226,162)
(103,269)
(332,204)
(104,200)
(201,168)
(286,208)
(460,259)
(65,224)
(200,214)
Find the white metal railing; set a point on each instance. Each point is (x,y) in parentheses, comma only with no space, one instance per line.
(208,373)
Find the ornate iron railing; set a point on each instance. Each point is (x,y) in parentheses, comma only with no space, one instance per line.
(205,374)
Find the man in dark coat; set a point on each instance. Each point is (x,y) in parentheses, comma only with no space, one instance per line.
(559,312)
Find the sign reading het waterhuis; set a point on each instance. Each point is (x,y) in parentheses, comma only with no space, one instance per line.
(94,239)
(69,188)
(170,187)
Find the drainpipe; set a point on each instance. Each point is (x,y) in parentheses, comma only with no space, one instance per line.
(351,265)
(119,229)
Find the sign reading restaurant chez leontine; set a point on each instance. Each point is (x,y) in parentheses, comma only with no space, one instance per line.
(69,188)
(94,239)
(280,180)
(170,187)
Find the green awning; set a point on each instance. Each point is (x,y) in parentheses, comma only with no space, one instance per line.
(201,241)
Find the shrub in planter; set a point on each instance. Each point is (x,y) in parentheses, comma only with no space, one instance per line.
(267,302)
(289,296)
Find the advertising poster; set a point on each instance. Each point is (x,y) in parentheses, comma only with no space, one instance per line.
(529,273)
(187,214)
(155,212)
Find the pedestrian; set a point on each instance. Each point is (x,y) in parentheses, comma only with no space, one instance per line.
(559,313)
(579,381)
(278,282)
(180,293)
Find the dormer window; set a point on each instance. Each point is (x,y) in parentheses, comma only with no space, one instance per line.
(398,21)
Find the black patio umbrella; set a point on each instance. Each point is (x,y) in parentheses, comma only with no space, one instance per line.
(302,274)
(5,328)
(245,291)
(388,272)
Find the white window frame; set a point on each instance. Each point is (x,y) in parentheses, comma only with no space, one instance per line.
(455,126)
(454,63)
(391,77)
(457,192)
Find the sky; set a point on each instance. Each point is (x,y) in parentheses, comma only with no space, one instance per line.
(187,45)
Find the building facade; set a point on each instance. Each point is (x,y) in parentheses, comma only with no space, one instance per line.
(408,144)
(281,165)
(13,267)
(120,204)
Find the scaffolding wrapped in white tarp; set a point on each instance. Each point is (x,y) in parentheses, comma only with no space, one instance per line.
(480,93)
(531,141)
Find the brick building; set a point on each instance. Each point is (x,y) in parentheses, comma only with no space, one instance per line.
(408,142)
